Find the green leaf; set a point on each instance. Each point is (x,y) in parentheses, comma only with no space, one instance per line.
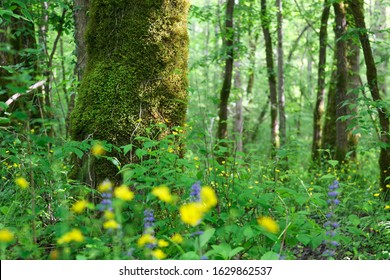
(270,256)
(304,238)
(235,251)
(317,240)
(333,162)
(4,210)
(127,148)
(205,237)
(4,120)
(190,256)
(222,250)
(354,220)
(140,153)
(327,176)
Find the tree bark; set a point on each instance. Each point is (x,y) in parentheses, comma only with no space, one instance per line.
(319,107)
(372,79)
(265,22)
(227,81)
(135,78)
(280,55)
(80,14)
(341,148)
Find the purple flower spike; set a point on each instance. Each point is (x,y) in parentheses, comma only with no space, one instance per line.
(195,192)
(334,186)
(333,194)
(334,243)
(335,225)
(336,202)
(329,215)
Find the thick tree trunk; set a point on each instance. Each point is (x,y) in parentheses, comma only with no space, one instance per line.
(280,55)
(341,83)
(227,81)
(372,79)
(265,22)
(136,76)
(319,106)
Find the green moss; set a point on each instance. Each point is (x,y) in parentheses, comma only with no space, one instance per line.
(136,73)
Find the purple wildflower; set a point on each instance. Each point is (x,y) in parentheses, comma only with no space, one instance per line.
(195,192)
(197,233)
(148,221)
(333,194)
(334,186)
(334,243)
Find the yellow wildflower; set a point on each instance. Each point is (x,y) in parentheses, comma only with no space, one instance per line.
(122,192)
(163,193)
(146,239)
(208,197)
(191,213)
(73,235)
(21,183)
(268,224)
(105,186)
(376,194)
(387,207)
(159,254)
(54,254)
(109,215)
(79,206)
(177,238)
(98,149)
(196,158)
(162,243)
(6,235)
(110,224)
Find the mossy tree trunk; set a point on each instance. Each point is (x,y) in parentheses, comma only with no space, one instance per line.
(136,77)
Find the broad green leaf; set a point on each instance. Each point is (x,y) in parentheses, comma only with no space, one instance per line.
(205,237)
(270,256)
(235,251)
(304,238)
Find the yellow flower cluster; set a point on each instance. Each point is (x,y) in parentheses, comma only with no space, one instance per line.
(6,236)
(110,224)
(159,254)
(105,186)
(79,206)
(146,239)
(268,224)
(123,193)
(177,238)
(73,235)
(21,182)
(98,150)
(163,193)
(192,213)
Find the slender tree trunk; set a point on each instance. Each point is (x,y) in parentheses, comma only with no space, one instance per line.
(227,81)
(379,28)
(319,107)
(341,148)
(354,85)
(280,55)
(372,79)
(329,129)
(265,22)
(80,14)
(239,118)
